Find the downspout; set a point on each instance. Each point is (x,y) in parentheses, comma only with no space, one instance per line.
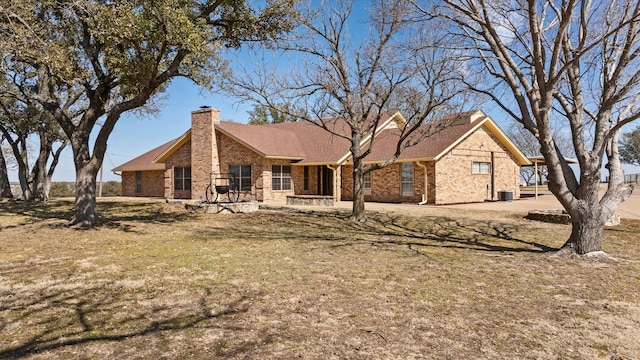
(493,176)
(426,184)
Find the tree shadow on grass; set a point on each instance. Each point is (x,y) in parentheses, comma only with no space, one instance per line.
(67,315)
(113,214)
(121,215)
(35,211)
(473,234)
(412,232)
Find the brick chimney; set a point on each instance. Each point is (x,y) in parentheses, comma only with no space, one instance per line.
(204,149)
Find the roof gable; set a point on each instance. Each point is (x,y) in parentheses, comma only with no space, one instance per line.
(145,162)
(173,147)
(455,128)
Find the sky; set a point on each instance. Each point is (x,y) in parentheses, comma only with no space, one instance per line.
(134,135)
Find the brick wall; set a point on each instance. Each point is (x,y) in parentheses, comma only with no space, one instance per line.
(152,184)
(276,196)
(385,184)
(204,149)
(297,173)
(431,182)
(180,158)
(456,183)
(233,153)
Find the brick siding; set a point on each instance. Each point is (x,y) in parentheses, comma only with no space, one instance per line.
(456,183)
(180,158)
(152,184)
(385,184)
(450,179)
(297,173)
(204,149)
(233,153)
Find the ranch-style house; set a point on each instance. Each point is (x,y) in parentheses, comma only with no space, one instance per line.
(469,160)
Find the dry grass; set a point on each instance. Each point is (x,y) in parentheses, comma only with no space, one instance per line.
(154,281)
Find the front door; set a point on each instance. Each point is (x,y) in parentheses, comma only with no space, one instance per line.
(325,181)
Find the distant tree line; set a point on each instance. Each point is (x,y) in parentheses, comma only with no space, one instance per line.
(67,189)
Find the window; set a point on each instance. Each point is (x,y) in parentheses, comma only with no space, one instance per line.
(406,179)
(243,176)
(182,177)
(481,167)
(138,182)
(280,177)
(306,178)
(367,183)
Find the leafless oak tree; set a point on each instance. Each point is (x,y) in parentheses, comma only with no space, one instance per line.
(529,145)
(572,60)
(349,69)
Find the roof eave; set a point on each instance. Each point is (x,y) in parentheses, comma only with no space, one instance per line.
(397,161)
(284,157)
(395,116)
(175,146)
(521,158)
(137,169)
(316,163)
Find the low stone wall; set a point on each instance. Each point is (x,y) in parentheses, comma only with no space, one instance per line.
(550,216)
(561,217)
(224,208)
(310,200)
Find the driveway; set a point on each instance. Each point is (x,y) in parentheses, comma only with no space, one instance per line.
(629,209)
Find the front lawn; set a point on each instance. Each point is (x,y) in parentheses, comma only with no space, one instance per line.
(155,281)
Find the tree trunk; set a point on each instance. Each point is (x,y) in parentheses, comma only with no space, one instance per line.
(586,233)
(44,187)
(39,174)
(357,213)
(5,186)
(85,212)
(23,177)
(87,167)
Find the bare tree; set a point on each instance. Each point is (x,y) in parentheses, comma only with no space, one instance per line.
(528,143)
(574,60)
(350,71)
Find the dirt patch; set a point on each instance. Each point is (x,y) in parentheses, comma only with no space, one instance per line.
(155,281)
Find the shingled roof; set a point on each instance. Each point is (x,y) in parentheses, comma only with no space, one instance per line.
(268,141)
(310,144)
(145,161)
